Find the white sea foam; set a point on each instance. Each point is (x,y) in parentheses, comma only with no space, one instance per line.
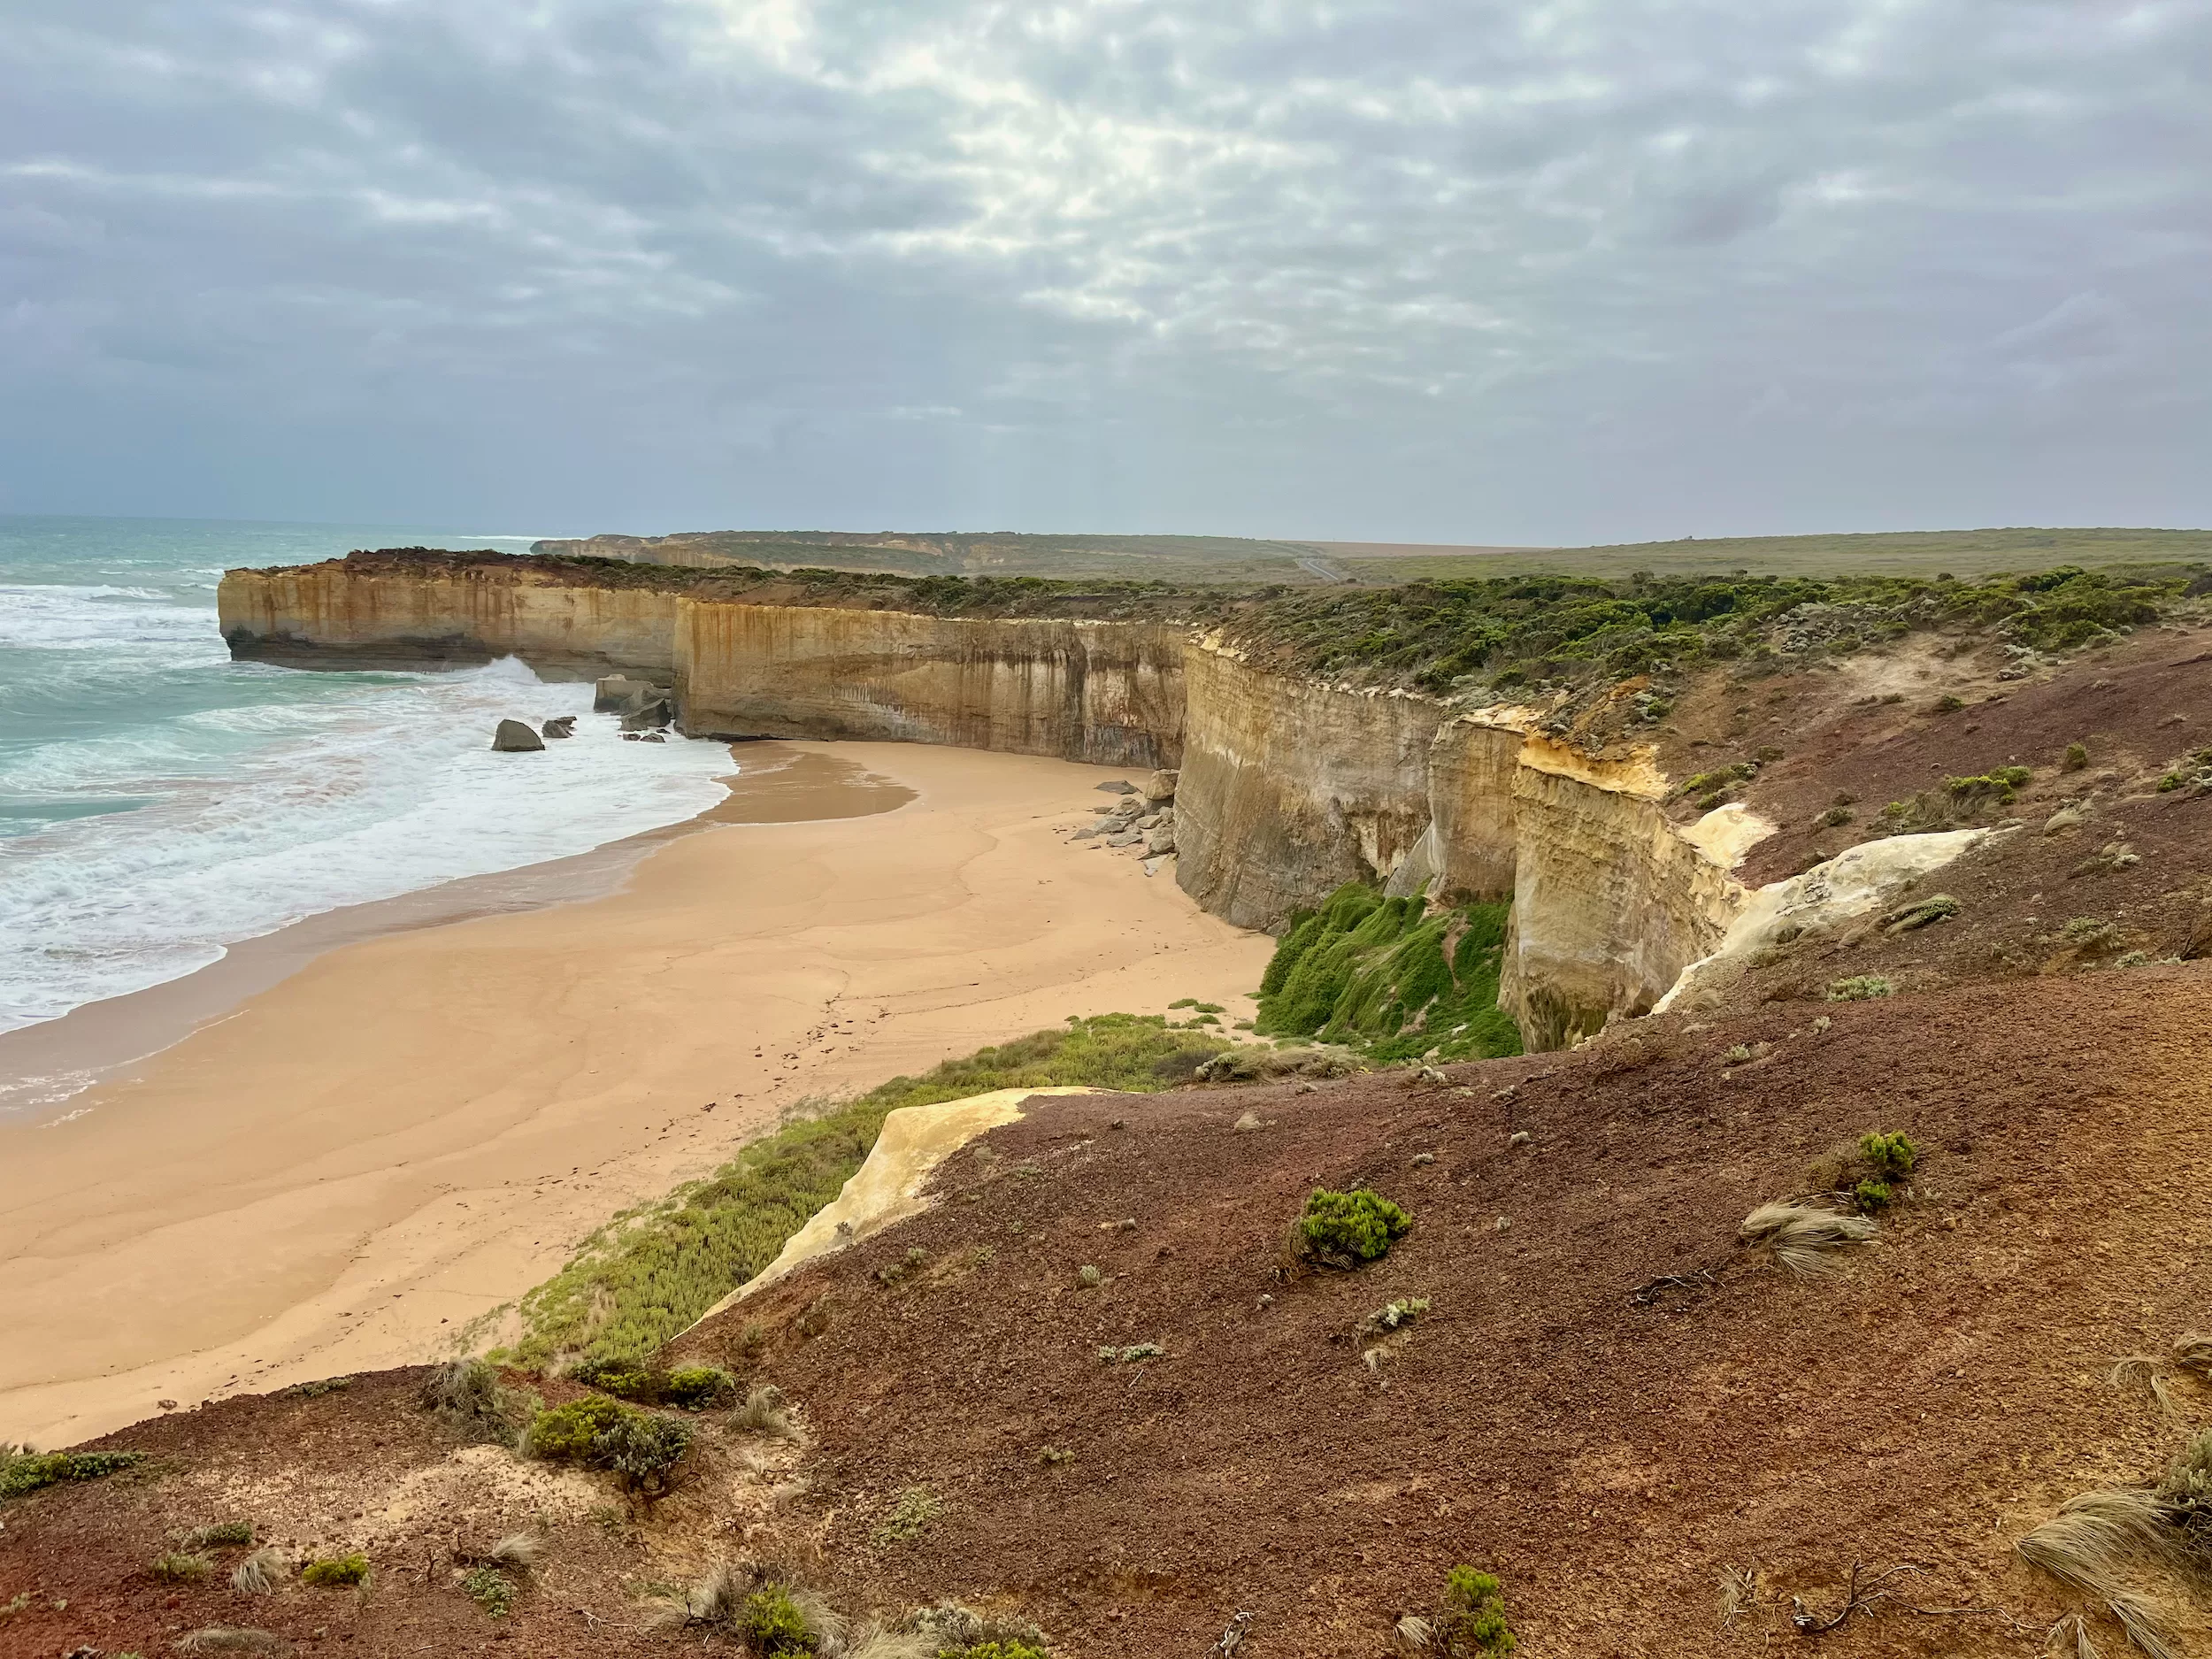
(319,791)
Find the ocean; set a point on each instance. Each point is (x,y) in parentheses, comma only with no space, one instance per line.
(160,802)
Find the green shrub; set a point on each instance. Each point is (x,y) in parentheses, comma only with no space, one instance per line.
(24,1471)
(1892,1154)
(2076,757)
(773,1624)
(336,1569)
(650,1272)
(993,1650)
(640,1449)
(1871,1195)
(1860,988)
(1381,976)
(490,1589)
(625,1380)
(1948,704)
(2001,786)
(1473,1620)
(223,1532)
(1347,1228)
(915,1509)
(178,1567)
(567,1434)
(697,1387)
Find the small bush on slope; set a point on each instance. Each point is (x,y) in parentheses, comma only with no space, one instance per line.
(648,1274)
(1378,975)
(23,1469)
(1347,1228)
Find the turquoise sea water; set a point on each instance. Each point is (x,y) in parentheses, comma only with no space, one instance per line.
(159,802)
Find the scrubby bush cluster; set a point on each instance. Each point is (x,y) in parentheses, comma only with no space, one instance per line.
(1379,975)
(1440,636)
(640,1449)
(691,1388)
(1345,1229)
(335,1571)
(652,1271)
(23,1469)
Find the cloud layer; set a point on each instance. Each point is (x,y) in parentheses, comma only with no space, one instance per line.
(1550,271)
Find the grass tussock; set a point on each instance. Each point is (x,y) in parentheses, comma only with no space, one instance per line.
(765,1412)
(467,1396)
(229,1639)
(2109,1544)
(1379,976)
(259,1573)
(1804,1239)
(652,1271)
(764,1613)
(177,1566)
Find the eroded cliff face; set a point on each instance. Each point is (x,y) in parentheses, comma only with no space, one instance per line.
(1289,789)
(1109,693)
(328,616)
(1612,902)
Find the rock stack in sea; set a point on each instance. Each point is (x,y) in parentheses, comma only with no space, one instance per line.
(1141,820)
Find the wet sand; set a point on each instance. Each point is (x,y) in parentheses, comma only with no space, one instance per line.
(409,1118)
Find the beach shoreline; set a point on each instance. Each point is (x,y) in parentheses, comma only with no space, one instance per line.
(45,1066)
(400,1132)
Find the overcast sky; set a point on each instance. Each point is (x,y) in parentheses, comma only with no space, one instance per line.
(1464,271)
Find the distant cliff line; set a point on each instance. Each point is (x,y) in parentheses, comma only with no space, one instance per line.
(1485,741)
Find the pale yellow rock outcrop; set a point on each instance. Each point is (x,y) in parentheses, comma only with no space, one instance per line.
(887,1187)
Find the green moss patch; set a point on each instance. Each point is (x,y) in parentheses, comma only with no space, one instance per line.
(1380,976)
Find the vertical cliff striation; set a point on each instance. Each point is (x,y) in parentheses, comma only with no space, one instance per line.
(1290,788)
(1107,692)
(338,615)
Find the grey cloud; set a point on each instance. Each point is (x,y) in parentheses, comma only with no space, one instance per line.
(1549,273)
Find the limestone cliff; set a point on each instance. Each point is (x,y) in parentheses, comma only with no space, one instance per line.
(337,616)
(1290,786)
(1291,789)
(1106,692)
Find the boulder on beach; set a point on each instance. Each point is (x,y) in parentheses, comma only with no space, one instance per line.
(1161,785)
(609,695)
(647,716)
(1118,785)
(514,738)
(560,726)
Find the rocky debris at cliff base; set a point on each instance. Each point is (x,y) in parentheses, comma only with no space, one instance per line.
(609,696)
(560,726)
(1152,867)
(1161,787)
(512,737)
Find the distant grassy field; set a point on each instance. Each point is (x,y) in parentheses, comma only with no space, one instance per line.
(1963,553)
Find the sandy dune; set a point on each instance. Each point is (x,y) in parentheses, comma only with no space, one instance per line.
(413,1130)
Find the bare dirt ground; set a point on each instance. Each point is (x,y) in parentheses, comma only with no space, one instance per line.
(1609,1403)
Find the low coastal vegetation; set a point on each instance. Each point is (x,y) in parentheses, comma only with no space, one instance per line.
(1380,976)
(653,1270)
(24,1471)
(1519,632)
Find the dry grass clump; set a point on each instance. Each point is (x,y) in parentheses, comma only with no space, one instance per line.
(2191,1357)
(259,1573)
(754,1604)
(230,1638)
(765,1411)
(467,1396)
(1804,1238)
(2106,1543)
(520,1552)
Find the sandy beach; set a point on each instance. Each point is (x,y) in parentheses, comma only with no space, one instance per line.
(412,1129)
